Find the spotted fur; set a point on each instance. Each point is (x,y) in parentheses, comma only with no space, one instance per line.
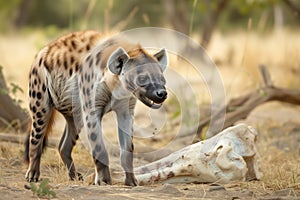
(83,76)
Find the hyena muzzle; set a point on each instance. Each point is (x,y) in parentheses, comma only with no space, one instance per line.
(83,76)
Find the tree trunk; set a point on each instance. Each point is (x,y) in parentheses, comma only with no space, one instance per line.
(177,14)
(278,18)
(11,114)
(211,20)
(22,13)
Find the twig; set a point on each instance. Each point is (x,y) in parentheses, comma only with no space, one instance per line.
(265,75)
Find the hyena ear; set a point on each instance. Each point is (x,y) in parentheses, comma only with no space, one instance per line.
(117,60)
(162,58)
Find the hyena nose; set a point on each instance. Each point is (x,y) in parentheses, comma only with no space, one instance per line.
(161,94)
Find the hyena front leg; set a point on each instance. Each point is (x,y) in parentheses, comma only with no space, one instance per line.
(100,157)
(41,114)
(124,113)
(88,81)
(98,150)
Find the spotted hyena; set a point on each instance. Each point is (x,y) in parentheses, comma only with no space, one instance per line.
(83,76)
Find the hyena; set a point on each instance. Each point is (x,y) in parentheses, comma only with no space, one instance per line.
(87,74)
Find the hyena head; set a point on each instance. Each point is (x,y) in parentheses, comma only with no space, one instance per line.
(141,74)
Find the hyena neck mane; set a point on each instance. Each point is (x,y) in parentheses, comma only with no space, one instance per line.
(108,46)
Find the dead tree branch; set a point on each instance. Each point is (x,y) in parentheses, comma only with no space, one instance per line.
(11,114)
(53,143)
(239,108)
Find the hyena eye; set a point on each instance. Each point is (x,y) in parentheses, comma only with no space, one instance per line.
(143,81)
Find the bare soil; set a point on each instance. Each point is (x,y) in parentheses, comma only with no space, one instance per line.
(279,147)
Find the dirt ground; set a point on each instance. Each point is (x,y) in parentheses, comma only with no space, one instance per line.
(278,143)
(181,191)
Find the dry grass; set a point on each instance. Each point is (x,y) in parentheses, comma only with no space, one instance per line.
(237,56)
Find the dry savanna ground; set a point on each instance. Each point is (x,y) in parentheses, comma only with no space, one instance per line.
(237,57)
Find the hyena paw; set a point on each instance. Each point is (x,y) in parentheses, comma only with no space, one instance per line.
(75,176)
(130,180)
(103,180)
(32,175)
(79,176)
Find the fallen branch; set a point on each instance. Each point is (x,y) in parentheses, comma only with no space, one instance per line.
(53,143)
(239,108)
(11,115)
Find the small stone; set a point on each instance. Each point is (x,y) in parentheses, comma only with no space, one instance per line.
(248,192)
(216,187)
(27,187)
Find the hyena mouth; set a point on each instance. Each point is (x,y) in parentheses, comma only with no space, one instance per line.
(148,102)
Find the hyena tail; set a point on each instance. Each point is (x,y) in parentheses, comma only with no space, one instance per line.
(45,139)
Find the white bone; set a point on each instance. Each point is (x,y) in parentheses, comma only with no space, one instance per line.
(229,156)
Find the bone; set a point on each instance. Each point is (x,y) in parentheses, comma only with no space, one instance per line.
(229,156)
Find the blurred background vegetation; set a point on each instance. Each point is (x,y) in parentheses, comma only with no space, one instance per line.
(200,17)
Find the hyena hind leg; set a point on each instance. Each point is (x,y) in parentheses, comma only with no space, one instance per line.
(66,144)
(41,123)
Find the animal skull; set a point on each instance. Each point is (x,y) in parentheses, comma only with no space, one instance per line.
(228,156)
